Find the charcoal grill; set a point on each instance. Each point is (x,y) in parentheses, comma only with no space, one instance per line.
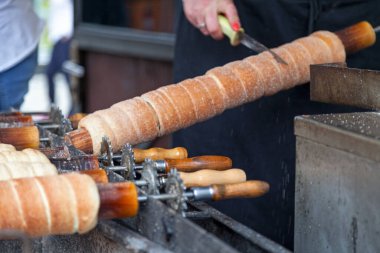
(157,229)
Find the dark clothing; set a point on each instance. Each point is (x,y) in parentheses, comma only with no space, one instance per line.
(60,54)
(258,136)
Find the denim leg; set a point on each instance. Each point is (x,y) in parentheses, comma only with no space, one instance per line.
(14,82)
(60,54)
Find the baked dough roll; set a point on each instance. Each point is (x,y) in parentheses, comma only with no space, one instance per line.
(201,99)
(40,206)
(302,58)
(230,83)
(317,48)
(250,77)
(124,118)
(269,70)
(184,105)
(334,44)
(144,121)
(14,170)
(26,155)
(96,128)
(168,118)
(290,72)
(218,96)
(193,100)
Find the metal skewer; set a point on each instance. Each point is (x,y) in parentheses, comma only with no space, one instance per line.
(377,29)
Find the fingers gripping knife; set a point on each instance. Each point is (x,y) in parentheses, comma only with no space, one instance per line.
(240,37)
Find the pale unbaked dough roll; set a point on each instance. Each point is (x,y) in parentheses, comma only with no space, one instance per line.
(185,107)
(41,206)
(168,119)
(64,217)
(13,170)
(26,155)
(88,201)
(216,93)
(233,88)
(6,147)
(250,77)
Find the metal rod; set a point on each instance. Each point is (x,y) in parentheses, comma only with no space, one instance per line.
(44,139)
(114,157)
(139,167)
(165,196)
(140,182)
(377,29)
(116,168)
(50,126)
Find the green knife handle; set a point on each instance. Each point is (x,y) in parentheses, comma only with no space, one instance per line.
(228,31)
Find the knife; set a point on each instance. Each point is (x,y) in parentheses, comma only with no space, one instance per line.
(240,37)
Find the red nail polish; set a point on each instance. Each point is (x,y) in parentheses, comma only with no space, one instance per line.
(236,26)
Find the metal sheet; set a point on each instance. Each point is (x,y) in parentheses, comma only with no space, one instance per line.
(167,228)
(232,232)
(357,133)
(107,237)
(337,84)
(337,177)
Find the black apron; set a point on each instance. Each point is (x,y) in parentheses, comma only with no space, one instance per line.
(258,136)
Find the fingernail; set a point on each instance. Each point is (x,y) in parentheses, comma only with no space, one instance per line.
(236,26)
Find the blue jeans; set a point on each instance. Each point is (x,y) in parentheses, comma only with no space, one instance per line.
(14,82)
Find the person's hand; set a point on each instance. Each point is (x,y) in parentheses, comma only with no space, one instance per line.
(203,14)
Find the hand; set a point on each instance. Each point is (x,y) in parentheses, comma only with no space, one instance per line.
(203,14)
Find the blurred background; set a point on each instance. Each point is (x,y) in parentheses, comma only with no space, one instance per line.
(94,53)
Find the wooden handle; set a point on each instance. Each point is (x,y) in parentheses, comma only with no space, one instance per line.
(81,139)
(21,137)
(233,35)
(199,163)
(209,177)
(75,118)
(248,189)
(159,154)
(118,200)
(357,37)
(99,175)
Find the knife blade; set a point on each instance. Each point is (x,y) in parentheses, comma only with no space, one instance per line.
(256,46)
(240,37)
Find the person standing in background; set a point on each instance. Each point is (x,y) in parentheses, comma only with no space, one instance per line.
(20,31)
(258,136)
(60,29)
